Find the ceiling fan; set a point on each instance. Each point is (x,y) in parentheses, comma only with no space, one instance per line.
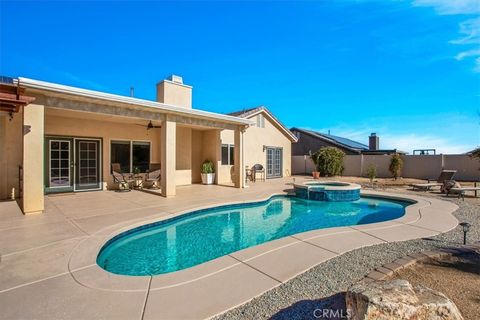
(149,125)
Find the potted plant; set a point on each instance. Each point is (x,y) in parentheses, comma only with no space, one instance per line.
(314,157)
(136,171)
(137,177)
(208,172)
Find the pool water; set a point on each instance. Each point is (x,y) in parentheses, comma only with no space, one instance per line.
(200,236)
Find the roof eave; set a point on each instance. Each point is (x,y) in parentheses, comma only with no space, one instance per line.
(58,88)
(261,109)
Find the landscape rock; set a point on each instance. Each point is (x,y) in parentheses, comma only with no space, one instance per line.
(398,300)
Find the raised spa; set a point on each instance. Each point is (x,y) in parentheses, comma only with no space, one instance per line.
(191,239)
(328,191)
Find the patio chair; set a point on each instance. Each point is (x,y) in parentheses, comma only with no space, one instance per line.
(124,181)
(258,168)
(445,175)
(455,187)
(248,174)
(153,175)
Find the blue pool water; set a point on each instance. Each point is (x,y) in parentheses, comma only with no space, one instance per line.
(200,236)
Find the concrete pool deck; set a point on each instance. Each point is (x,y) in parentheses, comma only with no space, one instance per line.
(48,267)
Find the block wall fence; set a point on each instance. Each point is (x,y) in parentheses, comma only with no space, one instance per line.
(414,166)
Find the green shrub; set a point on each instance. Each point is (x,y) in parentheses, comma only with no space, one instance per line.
(314,157)
(371,172)
(208,167)
(329,161)
(396,164)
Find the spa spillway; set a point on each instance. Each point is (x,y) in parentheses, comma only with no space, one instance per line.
(328,191)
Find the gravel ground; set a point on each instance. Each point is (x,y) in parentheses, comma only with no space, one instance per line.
(322,286)
(456,277)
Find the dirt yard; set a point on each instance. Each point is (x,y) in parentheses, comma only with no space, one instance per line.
(456,277)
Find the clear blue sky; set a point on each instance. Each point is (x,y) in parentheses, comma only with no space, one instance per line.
(408,70)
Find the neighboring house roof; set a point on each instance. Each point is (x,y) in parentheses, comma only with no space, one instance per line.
(476,150)
(62,89)
(249,113)
(348,144)
(384,151)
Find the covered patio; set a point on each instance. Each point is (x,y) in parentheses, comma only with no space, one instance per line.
(71,137)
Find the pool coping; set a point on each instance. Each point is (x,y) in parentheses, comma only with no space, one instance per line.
(275,261)
(345,186)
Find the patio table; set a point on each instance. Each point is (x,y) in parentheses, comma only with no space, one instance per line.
(138,182)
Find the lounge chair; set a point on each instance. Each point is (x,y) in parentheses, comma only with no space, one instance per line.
(153,175)
(445,175)
(455,187)
(124,181)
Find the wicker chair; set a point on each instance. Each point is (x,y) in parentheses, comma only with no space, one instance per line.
(153,175)
(124,181)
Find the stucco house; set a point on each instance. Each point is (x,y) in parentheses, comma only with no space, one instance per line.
(268,143)
(57,138)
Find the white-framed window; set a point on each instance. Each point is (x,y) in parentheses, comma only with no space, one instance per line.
(130,155)
(260,121)
(228,154)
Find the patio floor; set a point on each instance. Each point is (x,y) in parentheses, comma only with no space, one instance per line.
(46,268)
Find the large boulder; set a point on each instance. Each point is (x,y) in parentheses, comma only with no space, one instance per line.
(398,300)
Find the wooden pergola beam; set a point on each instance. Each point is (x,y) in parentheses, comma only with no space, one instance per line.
(12,98)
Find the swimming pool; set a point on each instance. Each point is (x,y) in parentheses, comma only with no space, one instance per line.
(200,236)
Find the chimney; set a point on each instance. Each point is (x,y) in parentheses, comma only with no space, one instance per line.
(373,142)
(172,91)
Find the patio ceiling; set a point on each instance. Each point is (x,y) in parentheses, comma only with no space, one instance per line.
(58,112)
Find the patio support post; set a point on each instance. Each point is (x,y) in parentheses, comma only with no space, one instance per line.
(33,159)
(168,157)
(239,158)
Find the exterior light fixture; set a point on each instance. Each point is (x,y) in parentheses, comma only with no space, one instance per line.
(466,227)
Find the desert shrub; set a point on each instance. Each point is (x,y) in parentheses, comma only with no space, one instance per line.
(396,164)
(371,172)
(329,161)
